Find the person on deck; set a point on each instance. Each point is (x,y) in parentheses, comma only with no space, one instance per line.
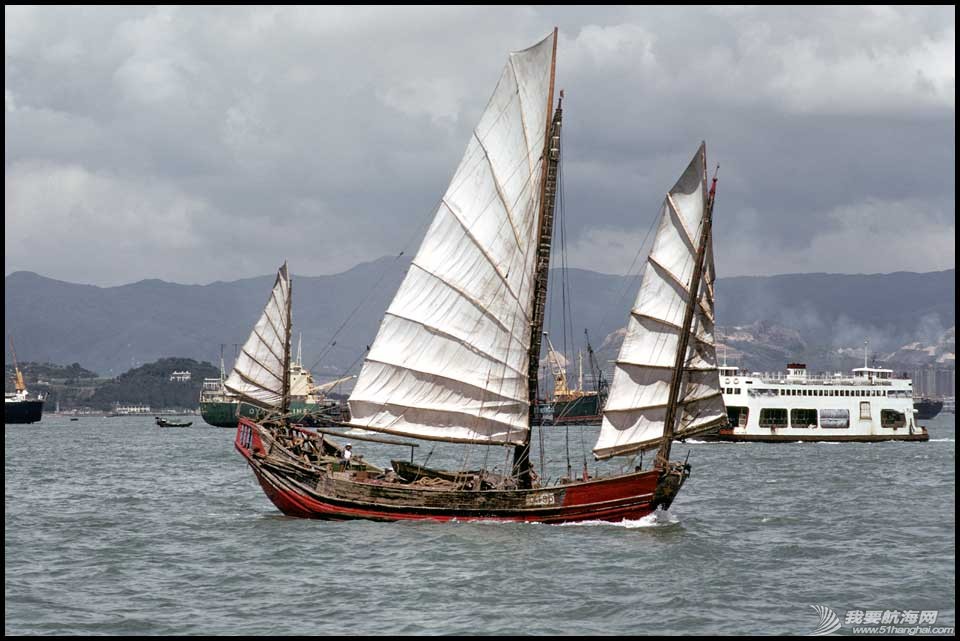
(347,455)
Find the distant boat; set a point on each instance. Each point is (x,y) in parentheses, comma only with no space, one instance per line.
(129,410)
(572,406)
(19,407)
(162,422)
(220,407)
(871,405)
(927,407)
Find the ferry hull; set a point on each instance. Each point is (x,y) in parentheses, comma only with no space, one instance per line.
(308,491)
(22,412)
(729,435)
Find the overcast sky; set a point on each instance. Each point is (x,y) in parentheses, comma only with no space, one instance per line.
(198,144)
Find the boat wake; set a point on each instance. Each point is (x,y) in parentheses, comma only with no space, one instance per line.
(660,518)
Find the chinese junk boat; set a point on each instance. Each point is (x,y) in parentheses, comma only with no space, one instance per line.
(456,355)
(308,402)
(264,381)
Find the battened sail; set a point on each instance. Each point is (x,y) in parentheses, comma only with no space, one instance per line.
(260,374)
(450,359)
(634,415)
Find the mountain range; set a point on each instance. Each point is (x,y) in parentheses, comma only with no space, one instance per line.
(763,320)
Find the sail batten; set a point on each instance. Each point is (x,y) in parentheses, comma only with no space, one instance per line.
(639,396)
(503,199)
(464,340)
(688,402)
(667,323)
(687,235)
(477,304)
(266,344)
(493,263)
(265,368)
(450,360)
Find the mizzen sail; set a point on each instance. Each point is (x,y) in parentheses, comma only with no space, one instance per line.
(260,374)
(450,359)
(635,411)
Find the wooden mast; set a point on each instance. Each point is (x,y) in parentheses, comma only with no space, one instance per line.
(285,399)
(663,453)
(548,181)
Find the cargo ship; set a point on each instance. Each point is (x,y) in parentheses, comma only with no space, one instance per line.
(571,406)
(927,408)
(19,406)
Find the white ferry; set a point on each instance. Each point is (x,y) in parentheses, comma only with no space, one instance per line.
(870,405)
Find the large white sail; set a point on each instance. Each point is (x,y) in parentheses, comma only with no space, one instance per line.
(450,359)
(258,375)
(633,418)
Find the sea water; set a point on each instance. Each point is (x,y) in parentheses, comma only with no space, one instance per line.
(116,526)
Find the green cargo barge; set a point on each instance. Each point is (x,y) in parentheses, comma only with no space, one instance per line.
(309,407)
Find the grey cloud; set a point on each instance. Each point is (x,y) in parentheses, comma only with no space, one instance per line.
(204,143)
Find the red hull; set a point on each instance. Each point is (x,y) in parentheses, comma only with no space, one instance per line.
(312,492)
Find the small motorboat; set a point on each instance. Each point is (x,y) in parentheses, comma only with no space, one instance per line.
(162,422)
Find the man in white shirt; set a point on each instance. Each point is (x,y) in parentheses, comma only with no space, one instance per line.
(347,455)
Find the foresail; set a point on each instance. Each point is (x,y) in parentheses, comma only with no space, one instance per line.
(450,359)
(258,375)
(634,414)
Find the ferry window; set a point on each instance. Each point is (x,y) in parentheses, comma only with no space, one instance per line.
(773,417)
(738,415)
(892,418)
(864,410)
(803,418)
(834,418)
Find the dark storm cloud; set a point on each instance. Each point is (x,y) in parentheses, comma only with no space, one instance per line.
(196,144)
